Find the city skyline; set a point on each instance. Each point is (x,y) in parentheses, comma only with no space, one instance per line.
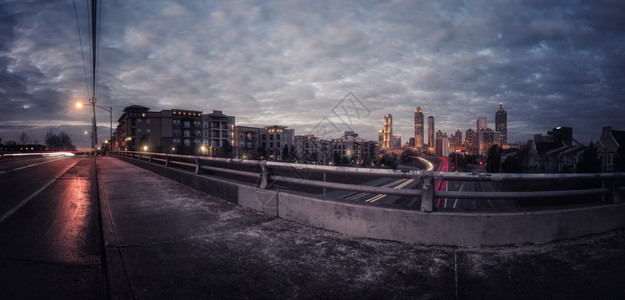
(288,63)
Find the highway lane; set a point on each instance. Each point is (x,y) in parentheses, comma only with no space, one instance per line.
(439,185)
(49,228)
(390,200)
(475,204)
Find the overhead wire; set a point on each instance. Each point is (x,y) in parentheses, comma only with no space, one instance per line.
(94,22)
(82,51)
(98,36)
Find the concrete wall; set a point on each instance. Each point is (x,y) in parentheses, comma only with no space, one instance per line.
(445,228)
(456,229)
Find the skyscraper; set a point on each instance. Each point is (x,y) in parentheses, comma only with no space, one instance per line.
(431,140)
(388,131)
(471,142)
(501,124)
(418,128)
(481,124)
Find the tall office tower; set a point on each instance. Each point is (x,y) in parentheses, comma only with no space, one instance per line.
(388,131)
(418,128)
(455,140)
(431,140)
(471,142)
(481,124)
(501,125)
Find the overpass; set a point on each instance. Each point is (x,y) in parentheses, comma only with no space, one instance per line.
(270,187)
(84,227)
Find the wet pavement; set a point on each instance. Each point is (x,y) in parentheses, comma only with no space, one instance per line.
(50,238)
(164,240)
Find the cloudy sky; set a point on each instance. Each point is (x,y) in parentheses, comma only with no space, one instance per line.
(303,63)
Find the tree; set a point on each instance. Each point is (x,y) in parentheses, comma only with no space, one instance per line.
(406,156)
(619,159)
(285,153)
(60,142)
(512,164)
(24,139)
(293,153)
(589,162)
(260,153)
(314,157)
(336,158)
(226,148)
(494,159)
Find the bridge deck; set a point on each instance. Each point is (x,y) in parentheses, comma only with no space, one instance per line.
(165,240)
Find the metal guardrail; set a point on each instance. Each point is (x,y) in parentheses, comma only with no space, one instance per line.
(611,182)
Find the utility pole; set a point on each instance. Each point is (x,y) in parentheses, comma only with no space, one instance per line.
(95,126)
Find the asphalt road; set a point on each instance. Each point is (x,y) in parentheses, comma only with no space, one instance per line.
(49,229)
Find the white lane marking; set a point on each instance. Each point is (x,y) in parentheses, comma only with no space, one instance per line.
(31,165)
(33,195)
(402,185)
(460,190)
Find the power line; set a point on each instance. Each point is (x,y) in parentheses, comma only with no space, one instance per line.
(82,51)
(99,29)
(94,31)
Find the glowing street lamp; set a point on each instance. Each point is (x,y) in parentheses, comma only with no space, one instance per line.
(92,102)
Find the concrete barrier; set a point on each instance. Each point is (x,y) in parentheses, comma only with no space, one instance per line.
(437,228)
(446,228)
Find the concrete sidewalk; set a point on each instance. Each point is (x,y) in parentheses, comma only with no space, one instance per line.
(164,240)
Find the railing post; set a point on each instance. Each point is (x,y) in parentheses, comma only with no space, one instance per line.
(616,193)
(150,158)
(197,165)
(427,195)
(264,174)
(166,160)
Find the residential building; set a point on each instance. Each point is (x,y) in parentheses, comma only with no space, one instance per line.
(218,134)
(608,145)
(274,138)
(247,143)
(173,131)
(552,157)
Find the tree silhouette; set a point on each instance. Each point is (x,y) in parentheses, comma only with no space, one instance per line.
(512,164)
(60,142)
(494,159)
(589,162)
(226,148)
(285,153)
(24,139)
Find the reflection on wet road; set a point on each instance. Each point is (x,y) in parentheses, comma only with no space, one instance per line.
(49,228)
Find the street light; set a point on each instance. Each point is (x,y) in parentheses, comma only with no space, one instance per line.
(92,103)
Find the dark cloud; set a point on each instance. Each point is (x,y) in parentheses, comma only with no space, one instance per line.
(551,63)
